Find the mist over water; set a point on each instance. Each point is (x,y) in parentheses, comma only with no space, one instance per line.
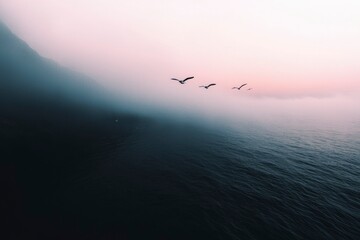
(270,169)
(225,107)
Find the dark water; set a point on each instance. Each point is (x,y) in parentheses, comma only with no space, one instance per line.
(161,180)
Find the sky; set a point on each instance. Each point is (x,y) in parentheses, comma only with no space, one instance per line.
(281,48)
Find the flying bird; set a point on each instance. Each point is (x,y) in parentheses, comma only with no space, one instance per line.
(249,89)
(182,81)
(238,88)
(212,84)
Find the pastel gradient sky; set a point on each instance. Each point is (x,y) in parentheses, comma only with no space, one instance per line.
(282,48)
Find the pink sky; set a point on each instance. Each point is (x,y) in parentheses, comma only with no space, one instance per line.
(281,48)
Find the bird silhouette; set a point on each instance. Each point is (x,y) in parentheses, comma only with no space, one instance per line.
(238,88)
(182,81)
(249,89)
(206,87)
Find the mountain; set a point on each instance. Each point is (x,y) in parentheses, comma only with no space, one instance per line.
(38,93)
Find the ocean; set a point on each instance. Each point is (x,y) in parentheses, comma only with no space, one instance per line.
(295,179)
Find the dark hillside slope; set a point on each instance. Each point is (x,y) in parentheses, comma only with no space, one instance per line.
(52,121)
(38,93)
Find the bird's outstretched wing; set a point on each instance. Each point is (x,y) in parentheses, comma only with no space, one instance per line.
(234,88)
(213,84)
(202,86)
(242,85)
(175,79)
(188,78)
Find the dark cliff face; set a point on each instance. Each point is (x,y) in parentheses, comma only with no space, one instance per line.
(25,74)
(46,109)
(37,93)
